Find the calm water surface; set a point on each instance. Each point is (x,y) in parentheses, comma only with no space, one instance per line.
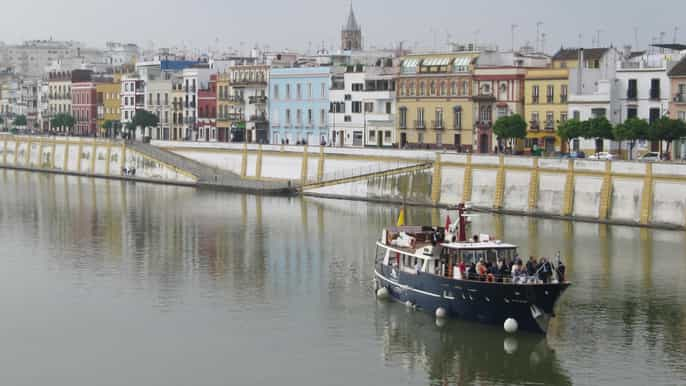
(113,283)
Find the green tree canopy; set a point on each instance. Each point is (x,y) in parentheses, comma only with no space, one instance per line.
(19,120)
(144,118)
(63,120)
(631,130)
(510,127)
(667,129)
(569,130)
(599,128)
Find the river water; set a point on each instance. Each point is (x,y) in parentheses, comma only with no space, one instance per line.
(117,283)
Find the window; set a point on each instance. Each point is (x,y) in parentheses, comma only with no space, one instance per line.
(654,115)
(276,91)
(309,91)
(403,117)
(298,91)
(563,117)
(632,89)
(534,117)
(323,90)
(563,93)
(299,117)
(549,120)
(598,113)
(369,107)
(356,107)
(465,88)
(288,91)
(550,94)
(432,88)
(501,112)
(443,88)
(577,115)
(420,118)
(372,136)
(389,107)
(158,99)
(322,118)
(288,116)
(457,117)
(412,89)
(655,89)
(681,115)
(310,117)
(438,123)
(358,87)
(631,112)
(534,95)
(485,114)
(422,90)
(420,138)
(453,88)
(439,139)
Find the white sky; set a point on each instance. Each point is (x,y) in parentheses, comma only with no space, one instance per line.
(295,23)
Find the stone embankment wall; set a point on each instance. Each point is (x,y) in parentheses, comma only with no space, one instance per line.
(618,192)
(84,156)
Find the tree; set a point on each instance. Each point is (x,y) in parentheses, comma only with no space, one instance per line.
(631,130)
(598,129)
(667,129)
(112,128)
(63,120)
(569,130)
(144,119)
(19,120)
(510,127)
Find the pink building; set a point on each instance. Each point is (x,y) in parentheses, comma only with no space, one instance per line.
(84,103)
(207,111)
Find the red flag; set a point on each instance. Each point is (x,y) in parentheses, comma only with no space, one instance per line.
(447,223)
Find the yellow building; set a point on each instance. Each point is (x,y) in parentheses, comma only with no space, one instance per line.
(228,106)
(545,106)
(177,97)
(434,105)
(109,102)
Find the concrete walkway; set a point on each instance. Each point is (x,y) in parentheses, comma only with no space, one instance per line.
(211,177)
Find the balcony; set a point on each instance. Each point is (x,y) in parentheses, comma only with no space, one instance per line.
(679,98)
(534,126)
(549,125)
(243,82)
(257,100)
(234,117)
(419,125)
(437,125)
(563,99)
(655,94)
(258,118)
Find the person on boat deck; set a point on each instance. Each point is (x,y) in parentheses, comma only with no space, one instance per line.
(545,270)
(462,267)
(481,269)
(561,269)
(531,266)
(515,271)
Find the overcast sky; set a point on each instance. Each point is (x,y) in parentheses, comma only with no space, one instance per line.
(295,23)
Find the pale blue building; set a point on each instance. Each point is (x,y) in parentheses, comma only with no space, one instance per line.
(299,105)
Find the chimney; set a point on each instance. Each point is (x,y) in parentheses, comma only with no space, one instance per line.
(580,72)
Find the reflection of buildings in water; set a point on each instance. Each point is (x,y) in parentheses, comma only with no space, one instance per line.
(465,353)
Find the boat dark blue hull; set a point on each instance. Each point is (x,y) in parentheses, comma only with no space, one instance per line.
(531,305)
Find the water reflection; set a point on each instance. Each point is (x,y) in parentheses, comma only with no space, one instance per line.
(299,271)
(465,353)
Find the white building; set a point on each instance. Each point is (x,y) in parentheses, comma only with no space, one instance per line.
(158,101)
(644,89)
(194,79)
(32,57)
(132,97)
(117,54)
(363,106)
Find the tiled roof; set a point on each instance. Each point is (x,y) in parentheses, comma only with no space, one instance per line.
(573,53)
(679,69)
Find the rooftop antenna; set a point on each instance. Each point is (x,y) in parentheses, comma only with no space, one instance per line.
(538,35)
(676,32)
(513,27)
(543,36)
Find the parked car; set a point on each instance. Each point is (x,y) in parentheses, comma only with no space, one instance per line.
(602,156)
(651,156)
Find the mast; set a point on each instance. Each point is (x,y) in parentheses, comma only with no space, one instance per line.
(462,236)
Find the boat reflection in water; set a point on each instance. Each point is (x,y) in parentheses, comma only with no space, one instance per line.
(459,352)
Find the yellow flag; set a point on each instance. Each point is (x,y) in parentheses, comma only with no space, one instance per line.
(401,217)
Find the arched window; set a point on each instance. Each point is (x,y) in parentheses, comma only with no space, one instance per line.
(443,90)
(422,88)
(453,88)
(411,91)
(432,88)
(402,89)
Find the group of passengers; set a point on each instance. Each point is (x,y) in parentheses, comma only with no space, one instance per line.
(516,271)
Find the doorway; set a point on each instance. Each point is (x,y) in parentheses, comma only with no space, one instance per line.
(403,140)
(483,144)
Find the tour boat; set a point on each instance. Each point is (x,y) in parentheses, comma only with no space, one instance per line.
(421,267)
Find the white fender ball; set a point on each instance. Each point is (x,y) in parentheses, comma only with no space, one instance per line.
(408,304)
(441,312)
(511,326)
(382,293)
